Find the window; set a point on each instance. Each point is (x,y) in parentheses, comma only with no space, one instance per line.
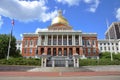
(112,48)
(30,50)
(26,42)
(36,52)
(112,43)
(108,48)
(89,51)
(64,41)
(59,41)
(104,43)
(108,43)
(19,43)
(84,51)
(100,48)
(70,41)
(105,48)
(116,43)
(54,41)
(25,50)
(100,43)
(49,41)
(117,48)
(92,42)
(94,51)
(83,42)
(31,42)
(36,42)
(88,42)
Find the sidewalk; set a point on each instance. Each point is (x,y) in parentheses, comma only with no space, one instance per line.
(58,74)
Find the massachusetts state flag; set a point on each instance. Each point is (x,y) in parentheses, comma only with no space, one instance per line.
(13,22)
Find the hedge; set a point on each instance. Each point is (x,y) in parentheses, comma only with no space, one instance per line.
(20,61)
(93,62)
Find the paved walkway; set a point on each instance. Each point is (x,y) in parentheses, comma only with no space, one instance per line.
(58,74)
(63,78)
(60,69)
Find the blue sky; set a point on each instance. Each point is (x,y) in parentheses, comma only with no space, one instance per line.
(89,16)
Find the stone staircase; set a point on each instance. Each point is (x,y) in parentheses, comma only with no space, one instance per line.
(59,69)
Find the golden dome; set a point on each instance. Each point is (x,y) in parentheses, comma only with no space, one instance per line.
(59,19)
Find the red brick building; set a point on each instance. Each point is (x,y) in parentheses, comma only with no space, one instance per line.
(60,40)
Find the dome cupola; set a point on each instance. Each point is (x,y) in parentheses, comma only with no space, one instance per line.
(59,19)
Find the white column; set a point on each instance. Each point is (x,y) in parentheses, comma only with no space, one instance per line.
(44,62)
(39,40)
(73,39)
(66,63)
(81,40)
(46,39)
(115,50)
(77,62)
(62,39)
(57,39)
(53,63)
(67,40)
(41,62)
(51,39)
(74,62)
(45,42)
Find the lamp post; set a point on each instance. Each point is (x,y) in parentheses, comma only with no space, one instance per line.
(109,40)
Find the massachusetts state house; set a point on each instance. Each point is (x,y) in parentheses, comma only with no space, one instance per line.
(60,41)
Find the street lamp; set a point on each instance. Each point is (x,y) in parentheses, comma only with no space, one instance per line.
(109,40)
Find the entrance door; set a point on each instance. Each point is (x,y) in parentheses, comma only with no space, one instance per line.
(70,63)
(54,51)
(49,63)
(59,52)
(65,51)
(59,63)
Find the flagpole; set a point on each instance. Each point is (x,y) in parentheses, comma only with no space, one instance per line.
(109,40)
(10,41)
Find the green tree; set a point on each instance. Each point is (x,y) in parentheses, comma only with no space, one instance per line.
(107,55)
(4,42)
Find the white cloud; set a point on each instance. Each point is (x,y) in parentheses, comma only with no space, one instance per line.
(93,4)
(69,2)
(39,29)
(118,14)
(1,22)
(26,10)
(88,1)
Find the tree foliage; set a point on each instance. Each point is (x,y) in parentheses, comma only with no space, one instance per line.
(4,42)
(107,55)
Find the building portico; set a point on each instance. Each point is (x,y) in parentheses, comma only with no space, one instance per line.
(60,44)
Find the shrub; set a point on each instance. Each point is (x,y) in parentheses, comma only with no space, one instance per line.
(20,61)
(87,62)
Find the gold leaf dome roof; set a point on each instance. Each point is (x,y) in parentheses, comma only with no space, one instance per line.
(59,19)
